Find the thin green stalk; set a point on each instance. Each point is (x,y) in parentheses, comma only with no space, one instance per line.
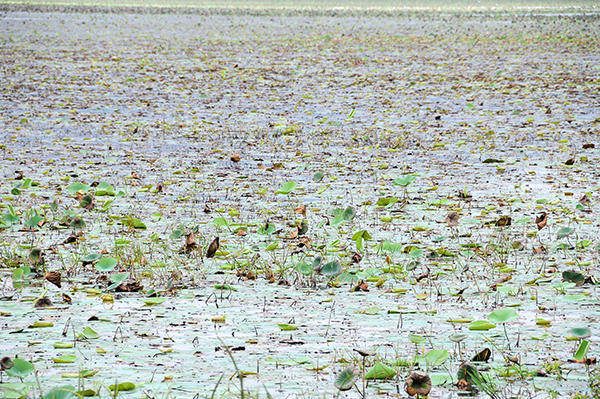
(237,370)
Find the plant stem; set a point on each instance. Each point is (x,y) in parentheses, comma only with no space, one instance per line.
(506,335)
(364,393)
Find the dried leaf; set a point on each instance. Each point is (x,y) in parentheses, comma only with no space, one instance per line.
(72,238)
(212,248)
(482,356)
(190,242)
(418,384)
(539,250)
(304,242)
(423,275)
(300,210)
(585,360)
(356,257)
(293,234)
(66,298)
(43,302)
(53,277)
(541,220)
(513,359)
(452,219)
(6,363)
(463,385)
(504,221)
(131,286)
(360,286)
(585,200)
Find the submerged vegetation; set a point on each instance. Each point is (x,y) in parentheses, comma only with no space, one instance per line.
(275,205)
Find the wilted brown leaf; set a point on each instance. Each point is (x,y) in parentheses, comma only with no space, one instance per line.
(190,242)
(72,238)
(513,359)
(43,302)
(539,250)
(504,221)
(423,275)
(66,298)
(463,385)
(212,248)
(300,210)
(452,219)
(418,384)
(305,241)
(541,220)
(53,277)
(360,286)
(6,363)
(482,356)
(293,234)
(585,360)
(585,200)
(131,286)
(356,257)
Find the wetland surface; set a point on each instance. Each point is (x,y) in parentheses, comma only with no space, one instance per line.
(423,146)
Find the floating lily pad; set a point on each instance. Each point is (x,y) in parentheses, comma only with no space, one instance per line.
(345,380)
(404,181)
(332,268)
(91,258)
(564,232)
(286,188)
(81,374)
(73,188)
(14,390)
(89,333)
(287,327)
(380,371)
(502,315)
(581,332)
(436,357)
(153,300)
(106,264)
(21,368)
(573,277)
(65,359)
(481,325)
(122,387)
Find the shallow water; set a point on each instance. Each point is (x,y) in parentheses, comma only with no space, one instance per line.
(95,96)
